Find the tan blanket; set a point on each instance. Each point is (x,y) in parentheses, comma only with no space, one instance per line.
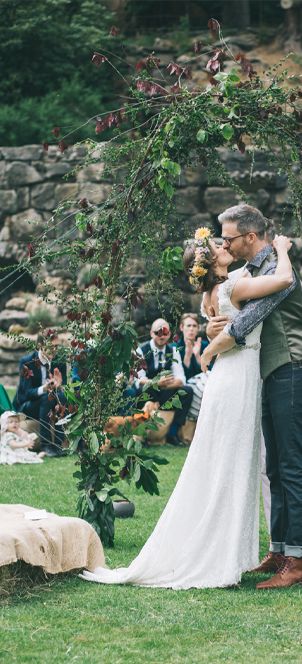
(55,543)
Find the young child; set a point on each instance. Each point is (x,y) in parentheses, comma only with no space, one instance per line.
(15,443)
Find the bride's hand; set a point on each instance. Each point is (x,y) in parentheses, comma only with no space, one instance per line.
(205,361)
(281,243)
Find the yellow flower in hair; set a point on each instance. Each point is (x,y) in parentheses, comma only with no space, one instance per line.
(202,233)
(198,271)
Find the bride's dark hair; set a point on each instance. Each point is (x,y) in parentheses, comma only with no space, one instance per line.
(210,279)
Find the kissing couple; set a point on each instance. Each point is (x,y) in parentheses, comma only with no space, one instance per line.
(208,533)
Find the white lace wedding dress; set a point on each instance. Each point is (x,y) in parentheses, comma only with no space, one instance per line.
(207,535)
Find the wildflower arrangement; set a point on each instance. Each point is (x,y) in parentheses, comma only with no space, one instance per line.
(202,254)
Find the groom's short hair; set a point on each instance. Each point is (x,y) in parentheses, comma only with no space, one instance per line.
(248,219)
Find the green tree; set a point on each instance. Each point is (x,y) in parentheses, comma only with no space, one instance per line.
(45,50)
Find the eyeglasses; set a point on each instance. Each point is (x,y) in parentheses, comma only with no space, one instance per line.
(229,240)
(161,332)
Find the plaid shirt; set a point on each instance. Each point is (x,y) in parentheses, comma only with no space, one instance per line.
(255,311)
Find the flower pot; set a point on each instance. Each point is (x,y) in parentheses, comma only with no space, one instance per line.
(123,509)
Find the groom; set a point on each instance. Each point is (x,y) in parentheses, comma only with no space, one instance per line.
(245,232)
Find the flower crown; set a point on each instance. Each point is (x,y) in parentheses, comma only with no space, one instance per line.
(202,253)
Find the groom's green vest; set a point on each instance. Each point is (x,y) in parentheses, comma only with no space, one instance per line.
(281,338)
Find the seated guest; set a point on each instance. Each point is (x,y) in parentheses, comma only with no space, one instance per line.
(190,346)
(39,390)
(160,356)
(15,443)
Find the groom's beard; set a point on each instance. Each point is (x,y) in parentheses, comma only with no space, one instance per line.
(241,254)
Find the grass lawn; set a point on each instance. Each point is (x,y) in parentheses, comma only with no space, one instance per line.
(68,620)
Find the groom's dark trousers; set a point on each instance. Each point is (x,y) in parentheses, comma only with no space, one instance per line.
(282,428)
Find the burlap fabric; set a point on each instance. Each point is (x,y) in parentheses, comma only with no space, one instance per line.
(55,543)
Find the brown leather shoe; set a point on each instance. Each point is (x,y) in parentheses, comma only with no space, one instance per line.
(270,563)
(289,574)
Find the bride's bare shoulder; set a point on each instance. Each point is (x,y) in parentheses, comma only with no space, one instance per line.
(206,302)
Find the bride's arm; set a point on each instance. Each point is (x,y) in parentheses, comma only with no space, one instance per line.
(251,289)
(220,344)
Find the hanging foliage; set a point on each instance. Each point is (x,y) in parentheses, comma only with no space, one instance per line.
(167,123)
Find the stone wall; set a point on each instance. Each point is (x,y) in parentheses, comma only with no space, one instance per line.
(33,182)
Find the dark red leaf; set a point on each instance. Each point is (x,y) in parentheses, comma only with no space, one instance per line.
(45,146)
(98,282)
(106,317)
(83,373)
(213,25)
(56,131)
(212,80)
(187,73)
(241,145)
(51,334)
(135,298)
(115,247)
(89,228)
(83,203)
(60,409)
(149,88)
(216,61)
(245,64)
(73,315)
(176,88)
(124,472)
(197,46)
(114,31)
(98,59)
(100,126)
(148,63)
(102,360)
(174,69)
(62,146)
(112,120)
(31,250)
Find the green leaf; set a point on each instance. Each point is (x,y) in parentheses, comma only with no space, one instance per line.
(201,136)
(176,403)
(102,495)
(172,260)
(227,131)
(170,166)
(137,472)
(93,443)
(221,77)
(233,76)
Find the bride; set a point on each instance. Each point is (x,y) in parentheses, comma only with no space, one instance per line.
(207,535)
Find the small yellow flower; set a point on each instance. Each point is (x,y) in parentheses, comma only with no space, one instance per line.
(198,271)
(202,233)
